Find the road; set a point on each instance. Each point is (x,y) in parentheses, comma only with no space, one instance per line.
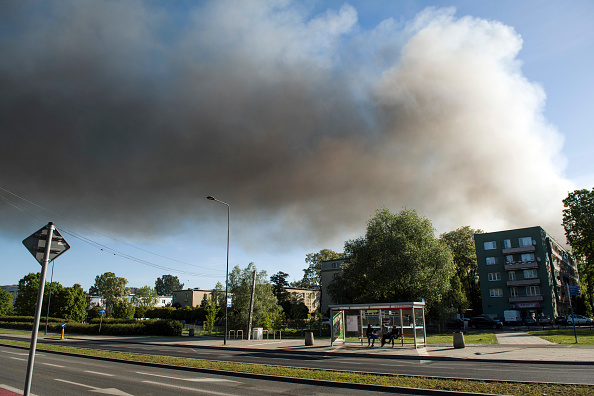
(389,364)
(61,375)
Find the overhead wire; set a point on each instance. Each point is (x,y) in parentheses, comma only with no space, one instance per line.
(101,246)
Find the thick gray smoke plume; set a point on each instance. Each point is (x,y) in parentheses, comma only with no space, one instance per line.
(127,115)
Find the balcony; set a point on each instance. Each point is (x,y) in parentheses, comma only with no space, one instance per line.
(520,266)
(521,299)
(523,282)
(517,250)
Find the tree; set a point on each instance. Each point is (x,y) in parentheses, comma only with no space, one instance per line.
(111,288)
(145,298)
(69,303)
(578,222)
(461,244)
(279,283)
(167,284)
(211,313)
(398,259)
(312,275)
(27,294)
(6,305)
(123,309)
(266,308)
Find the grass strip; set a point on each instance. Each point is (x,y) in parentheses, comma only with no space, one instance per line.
(565,337)
(476,386)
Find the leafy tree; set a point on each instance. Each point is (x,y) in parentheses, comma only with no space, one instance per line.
(578,221)
(461,244)
(123,309)
(312,275)
(167,284)
(398,259)
(69,303)
(145,298)
(98,287)
(279,283)
(6,305)
(27,294)
(211,313)
(266,307)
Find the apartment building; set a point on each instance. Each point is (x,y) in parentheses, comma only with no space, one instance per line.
(526,270)
(310,297)
(330,270)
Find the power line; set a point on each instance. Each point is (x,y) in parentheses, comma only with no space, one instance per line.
(100,246)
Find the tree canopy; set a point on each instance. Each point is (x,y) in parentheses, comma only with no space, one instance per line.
(578,222)
(398,259)
(112,288)
(145,298)
(312,275)
(6,305)
(166,284)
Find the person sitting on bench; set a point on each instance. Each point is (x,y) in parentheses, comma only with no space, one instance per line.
(370,336)
(394,334)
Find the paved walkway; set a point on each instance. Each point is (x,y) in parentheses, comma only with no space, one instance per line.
(520,338)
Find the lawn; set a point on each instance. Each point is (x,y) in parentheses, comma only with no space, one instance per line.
(566,336)
(470,337)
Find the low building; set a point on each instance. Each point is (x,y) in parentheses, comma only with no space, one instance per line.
(525,270)
(191,297)
(310,297)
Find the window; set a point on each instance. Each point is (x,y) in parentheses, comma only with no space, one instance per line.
(511,275)
(533,291)
(530,274)
(509,259)
(492,260)
(526,241)
(496,292)
(334,265)
(494,276)
(527,257)
(490,245)
(506,244)
(513,291)
(335,275)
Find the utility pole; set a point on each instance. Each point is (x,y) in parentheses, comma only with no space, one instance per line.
(251,306)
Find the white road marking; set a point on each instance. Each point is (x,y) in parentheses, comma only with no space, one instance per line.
(98,373)
(18,354)
(187,388)
(188,379)
(53,365)
(22,360)
(105,391)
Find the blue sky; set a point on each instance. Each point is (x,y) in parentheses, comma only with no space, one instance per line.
(119,118)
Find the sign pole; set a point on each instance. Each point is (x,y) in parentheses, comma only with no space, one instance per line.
(572,317)
(46,256)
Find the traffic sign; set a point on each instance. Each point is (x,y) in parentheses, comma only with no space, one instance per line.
(63,325)
(574,290)
(36,244)
(228,301)
(102,311)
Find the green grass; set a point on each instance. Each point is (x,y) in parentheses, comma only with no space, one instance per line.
(490,387)
(566,336)
(470,337)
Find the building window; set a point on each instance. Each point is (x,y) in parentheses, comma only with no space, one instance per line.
(526,241)
(527,257)
(533,290)
(334,265)
(506,244)
(335,275)
(490,245)
(496,292)
(492,260)
(530,274)
(511,275)
(509,259)
(513,291)
(494,276)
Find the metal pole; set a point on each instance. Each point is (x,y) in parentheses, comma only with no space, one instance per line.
(227,274)
(251,306)
(572,317)
(35,331)
(49,299)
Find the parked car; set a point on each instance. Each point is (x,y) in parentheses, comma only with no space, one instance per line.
(579,320)
(529,321)
(455,324)
(484,322)
(561,321)
(545,321)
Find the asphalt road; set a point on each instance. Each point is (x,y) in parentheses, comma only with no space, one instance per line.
(486,369)
(61,375)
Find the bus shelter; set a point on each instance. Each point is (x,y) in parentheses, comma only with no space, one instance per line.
(409,317)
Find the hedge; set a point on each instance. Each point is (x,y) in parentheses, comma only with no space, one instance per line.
(154,327)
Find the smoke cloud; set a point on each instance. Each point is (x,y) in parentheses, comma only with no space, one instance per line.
(127,115)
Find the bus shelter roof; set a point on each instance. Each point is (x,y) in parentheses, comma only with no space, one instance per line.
(382,306)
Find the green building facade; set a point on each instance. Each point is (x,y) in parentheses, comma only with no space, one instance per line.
(525,270)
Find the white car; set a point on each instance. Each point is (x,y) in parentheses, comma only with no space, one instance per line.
(579,320)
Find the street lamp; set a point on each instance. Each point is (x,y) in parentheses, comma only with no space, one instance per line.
(227,275)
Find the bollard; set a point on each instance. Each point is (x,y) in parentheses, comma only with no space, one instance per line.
(459,339)
(309,338)
(62,337)
(191,333)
